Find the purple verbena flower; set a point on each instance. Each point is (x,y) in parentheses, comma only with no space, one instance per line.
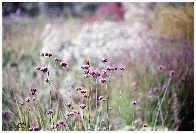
(28,99)
(161,68)
(85,66)
(57,59)
(171,73)
(82,106)
(68,105)
(104,60)
(63,64)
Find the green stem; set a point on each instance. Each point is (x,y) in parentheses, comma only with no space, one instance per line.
(161,104)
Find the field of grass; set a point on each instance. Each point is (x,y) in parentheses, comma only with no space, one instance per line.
(153,91)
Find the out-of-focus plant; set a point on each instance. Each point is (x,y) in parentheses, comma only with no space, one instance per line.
(111,11)
(171,21)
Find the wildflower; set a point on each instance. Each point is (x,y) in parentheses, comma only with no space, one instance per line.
(134,103)
(182,80)
(34,99)
(86,71)
(49,55)
(42,54)
(100,97)
(161,68)
(104,128)
(5,116)
(21,103)
(102,80)
(78,88)
(57,59)
(67,114)
(104,59)
(38,68)
(82,106)
(86,76)
(76,112)
(49,112)
(109,68)
(63,64)
(145,125)
(52,127)
(34,128)
(61,122)
(44,69)
(122,68)
(164,87)
(83,91)
(85,66)
(95,73)
(56,125)
(68,105)
(102,120)
(71,113)
(156,90)
(171,73)
(150,94)
(46,54)
(110,108)
(47,80)
(28,99)
(33,91)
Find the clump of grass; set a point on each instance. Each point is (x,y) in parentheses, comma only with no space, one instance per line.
(175,22)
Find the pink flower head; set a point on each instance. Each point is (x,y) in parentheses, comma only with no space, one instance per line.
(104,59)
(63,64)
(86,71)
(46,54)
(102,80)
(49,55)
(122,68)
(104,128)
(85,66)
(95,73)
(67,114)
(71,113)
(42,54)
(100,97)
(145,125)
(171,73)
(52,126)
(156,90)
(38,68)
(110,108)
(76,112)
(82,106)
(33,91)
(44,69)
(68,105)
(61,122)
(49,112)
(134,103)
(164,87)
(21,103)
(28,99)
(79,88)
(109,68)
(56,125)
(86,76)
(161,68)
(34,99)
(57,59)
(83,91)
(150,94)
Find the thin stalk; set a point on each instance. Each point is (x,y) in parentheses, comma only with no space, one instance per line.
(161,104)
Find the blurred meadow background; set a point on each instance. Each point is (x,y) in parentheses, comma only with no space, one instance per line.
(144,52)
